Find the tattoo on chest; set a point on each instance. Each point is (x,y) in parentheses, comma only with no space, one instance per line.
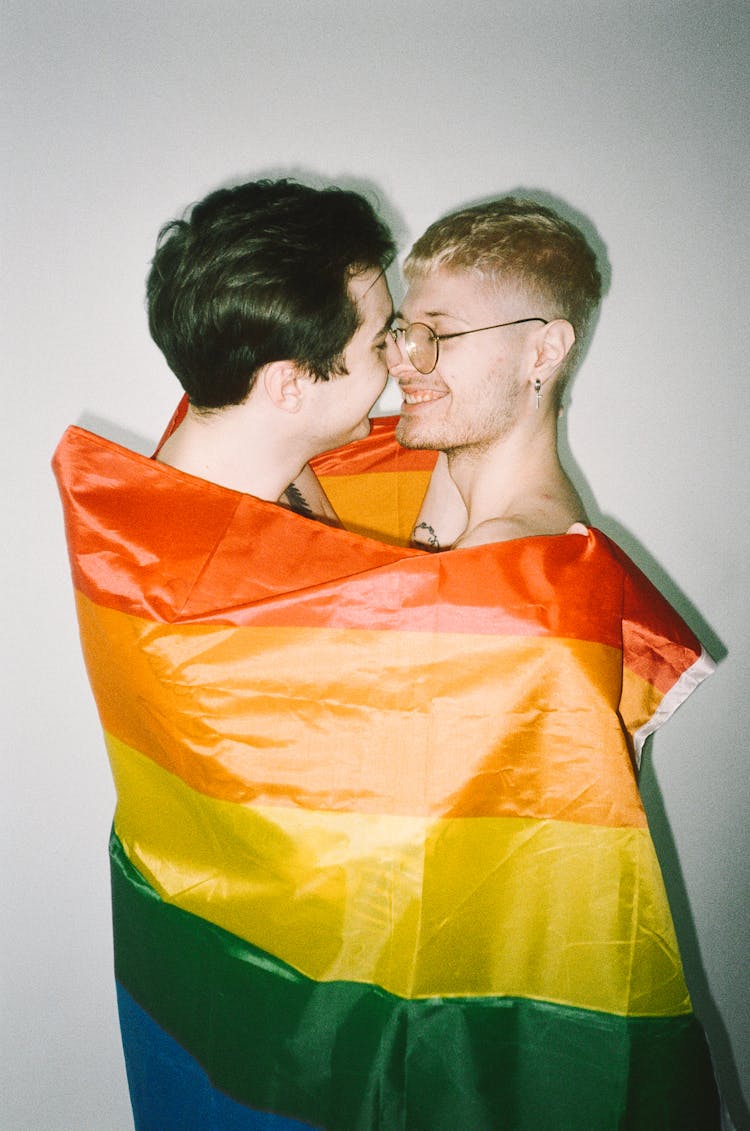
(297,501)
(431,538)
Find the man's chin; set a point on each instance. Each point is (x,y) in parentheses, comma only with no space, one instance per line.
(409,437)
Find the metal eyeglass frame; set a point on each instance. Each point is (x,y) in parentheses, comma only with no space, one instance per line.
(438,338)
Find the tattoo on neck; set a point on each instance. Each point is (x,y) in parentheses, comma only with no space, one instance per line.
(431,540)
(297,501)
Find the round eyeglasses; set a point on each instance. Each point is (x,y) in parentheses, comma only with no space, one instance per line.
(422,344)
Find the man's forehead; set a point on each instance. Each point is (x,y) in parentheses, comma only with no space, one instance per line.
(455,293)
(373,298)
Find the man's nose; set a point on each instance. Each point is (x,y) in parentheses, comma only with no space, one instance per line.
(395,352)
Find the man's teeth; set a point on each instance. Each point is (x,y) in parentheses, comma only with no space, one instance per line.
(421,397)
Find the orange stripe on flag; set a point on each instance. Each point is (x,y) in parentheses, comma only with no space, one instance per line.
(368,721)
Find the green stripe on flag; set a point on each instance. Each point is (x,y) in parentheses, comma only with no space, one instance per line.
(351,1057)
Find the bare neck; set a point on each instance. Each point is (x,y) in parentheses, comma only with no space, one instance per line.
(516,487)
(236,448)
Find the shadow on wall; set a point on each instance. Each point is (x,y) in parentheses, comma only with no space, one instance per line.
(666,849)
(653,801)
(705,1008)
(110,430)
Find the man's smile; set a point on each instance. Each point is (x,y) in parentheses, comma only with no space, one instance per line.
(414,395)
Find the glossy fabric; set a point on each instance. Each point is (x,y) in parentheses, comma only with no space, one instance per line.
(171,1091)
(379,858)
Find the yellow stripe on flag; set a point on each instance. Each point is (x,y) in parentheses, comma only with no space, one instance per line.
(386,504)
(556,911)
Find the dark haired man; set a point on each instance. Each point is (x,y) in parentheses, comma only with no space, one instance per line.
(271,307)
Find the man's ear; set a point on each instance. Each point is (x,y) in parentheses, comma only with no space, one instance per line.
(553,345)
(284,384)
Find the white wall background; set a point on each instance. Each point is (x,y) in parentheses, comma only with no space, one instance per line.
(117,115)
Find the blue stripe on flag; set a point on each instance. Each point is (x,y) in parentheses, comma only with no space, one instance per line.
(169,1091)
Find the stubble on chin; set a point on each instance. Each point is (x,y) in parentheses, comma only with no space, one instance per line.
(441,436)
(409,437)
(476,437)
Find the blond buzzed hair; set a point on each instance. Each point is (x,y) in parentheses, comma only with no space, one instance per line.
(518,242)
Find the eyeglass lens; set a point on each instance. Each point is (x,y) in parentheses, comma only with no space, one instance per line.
(421,347)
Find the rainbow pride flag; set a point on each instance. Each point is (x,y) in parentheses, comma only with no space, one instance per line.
(379,859)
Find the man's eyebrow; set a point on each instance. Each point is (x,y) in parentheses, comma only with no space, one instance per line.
(433,314)
(445,314)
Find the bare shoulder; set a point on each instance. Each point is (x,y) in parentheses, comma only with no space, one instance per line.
(495,530)
(513,527)
(442,517)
